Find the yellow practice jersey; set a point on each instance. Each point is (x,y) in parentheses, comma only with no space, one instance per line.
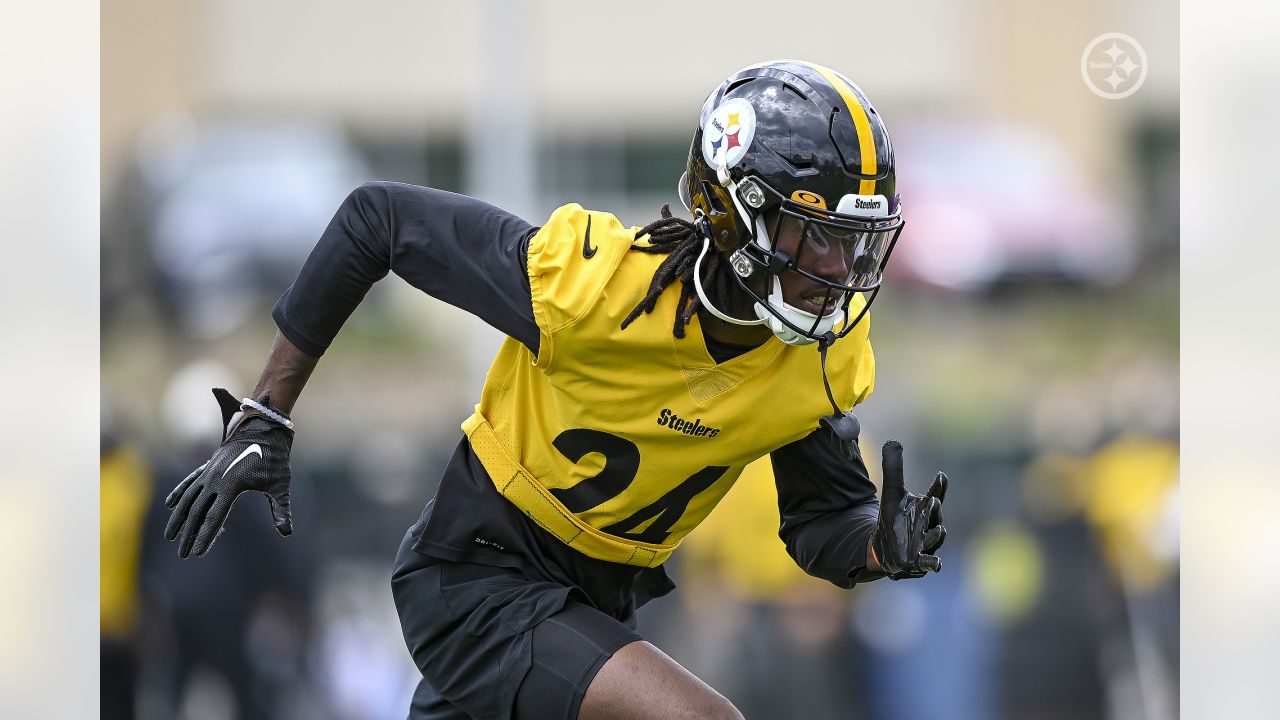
(619,442)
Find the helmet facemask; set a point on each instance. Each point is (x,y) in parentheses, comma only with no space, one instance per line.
(850,247)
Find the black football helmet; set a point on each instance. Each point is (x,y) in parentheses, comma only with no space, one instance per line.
(802,140)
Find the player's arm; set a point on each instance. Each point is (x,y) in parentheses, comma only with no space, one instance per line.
(463,251)
(832,521)
(828,506)
(458,249)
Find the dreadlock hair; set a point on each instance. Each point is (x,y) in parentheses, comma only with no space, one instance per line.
(678,239)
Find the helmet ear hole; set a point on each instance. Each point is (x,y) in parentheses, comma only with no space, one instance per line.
(713,199)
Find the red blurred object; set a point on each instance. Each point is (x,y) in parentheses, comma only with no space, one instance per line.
(988,204)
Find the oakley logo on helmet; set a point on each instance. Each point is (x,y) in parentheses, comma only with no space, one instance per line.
(728,132)
(808,198)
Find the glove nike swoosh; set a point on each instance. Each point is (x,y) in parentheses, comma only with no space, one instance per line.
(254,448)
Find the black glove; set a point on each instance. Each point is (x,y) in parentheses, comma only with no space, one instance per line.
(909,529)
(254,455)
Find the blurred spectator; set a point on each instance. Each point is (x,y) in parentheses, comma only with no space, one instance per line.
(232,624)
(125,490)
(1132,505)
(780,647)
(228,631)
(925,650)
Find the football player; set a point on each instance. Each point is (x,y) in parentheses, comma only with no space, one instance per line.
(644,369)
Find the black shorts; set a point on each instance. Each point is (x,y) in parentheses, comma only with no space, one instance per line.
(493,644)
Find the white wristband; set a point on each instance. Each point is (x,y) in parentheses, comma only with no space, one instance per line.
(249,402)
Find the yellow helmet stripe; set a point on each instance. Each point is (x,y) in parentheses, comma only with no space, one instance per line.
(866,140)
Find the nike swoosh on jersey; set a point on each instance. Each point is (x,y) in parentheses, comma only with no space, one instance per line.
(254,448)
(588,252)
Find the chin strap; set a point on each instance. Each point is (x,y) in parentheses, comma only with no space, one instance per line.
(702,295)
(844,425)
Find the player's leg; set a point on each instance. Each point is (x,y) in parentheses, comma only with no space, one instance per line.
(496,644)
(436,643)
(640,682)
(586,664)
(428,704)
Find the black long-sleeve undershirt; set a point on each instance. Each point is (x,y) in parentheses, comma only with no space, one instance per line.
(473,255)
(828,506)
(463,251)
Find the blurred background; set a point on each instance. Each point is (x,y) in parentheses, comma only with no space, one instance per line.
(1027,341)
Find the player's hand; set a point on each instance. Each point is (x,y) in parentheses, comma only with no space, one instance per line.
(909,530)
(254,455)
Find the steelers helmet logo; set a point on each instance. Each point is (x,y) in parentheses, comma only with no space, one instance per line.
(727,132)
